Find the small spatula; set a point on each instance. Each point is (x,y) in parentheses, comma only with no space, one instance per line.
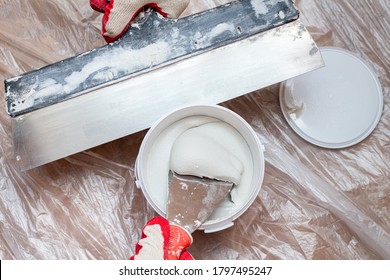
(191,201)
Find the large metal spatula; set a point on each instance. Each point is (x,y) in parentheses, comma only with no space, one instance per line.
(124,87)
(191,201)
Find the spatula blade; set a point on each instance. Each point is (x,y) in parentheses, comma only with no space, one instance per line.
(191,200)
(205,58)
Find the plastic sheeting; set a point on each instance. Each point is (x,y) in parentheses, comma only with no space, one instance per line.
(315,203)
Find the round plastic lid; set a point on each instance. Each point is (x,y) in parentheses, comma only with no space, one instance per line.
(335,106)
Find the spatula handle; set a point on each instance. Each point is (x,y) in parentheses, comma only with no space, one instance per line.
(179,240)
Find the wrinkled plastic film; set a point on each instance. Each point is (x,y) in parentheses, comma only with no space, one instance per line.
(314,203)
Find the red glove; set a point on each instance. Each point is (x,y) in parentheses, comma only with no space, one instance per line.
(155,243)
(118,14)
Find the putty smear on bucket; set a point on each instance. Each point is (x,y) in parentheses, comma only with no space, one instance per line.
(158,161)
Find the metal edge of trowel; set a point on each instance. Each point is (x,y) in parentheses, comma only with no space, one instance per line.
(172,40)
(78,124)
(119,109)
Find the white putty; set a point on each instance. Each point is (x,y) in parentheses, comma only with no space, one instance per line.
(200,152)
(281,14)
(295,107)
(14,79)
(157,163)
(203,40)
(259,7)
(47,87)
(175,33)
(220,28)
(122,60)
(135,25)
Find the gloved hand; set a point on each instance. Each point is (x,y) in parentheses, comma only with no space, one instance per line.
(158,239)
(118,14)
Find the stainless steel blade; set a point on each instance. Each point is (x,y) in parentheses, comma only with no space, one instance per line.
(192,200)
(131,105)
(154,43)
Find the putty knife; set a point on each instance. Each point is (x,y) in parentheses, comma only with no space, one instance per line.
(191,201)
(124,87)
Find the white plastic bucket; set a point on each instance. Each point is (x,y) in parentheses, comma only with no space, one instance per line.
(224,220)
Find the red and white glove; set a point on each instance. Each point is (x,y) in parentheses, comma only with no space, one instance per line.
(118,14)
(158,239)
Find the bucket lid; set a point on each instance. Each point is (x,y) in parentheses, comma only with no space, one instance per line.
(335,106)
